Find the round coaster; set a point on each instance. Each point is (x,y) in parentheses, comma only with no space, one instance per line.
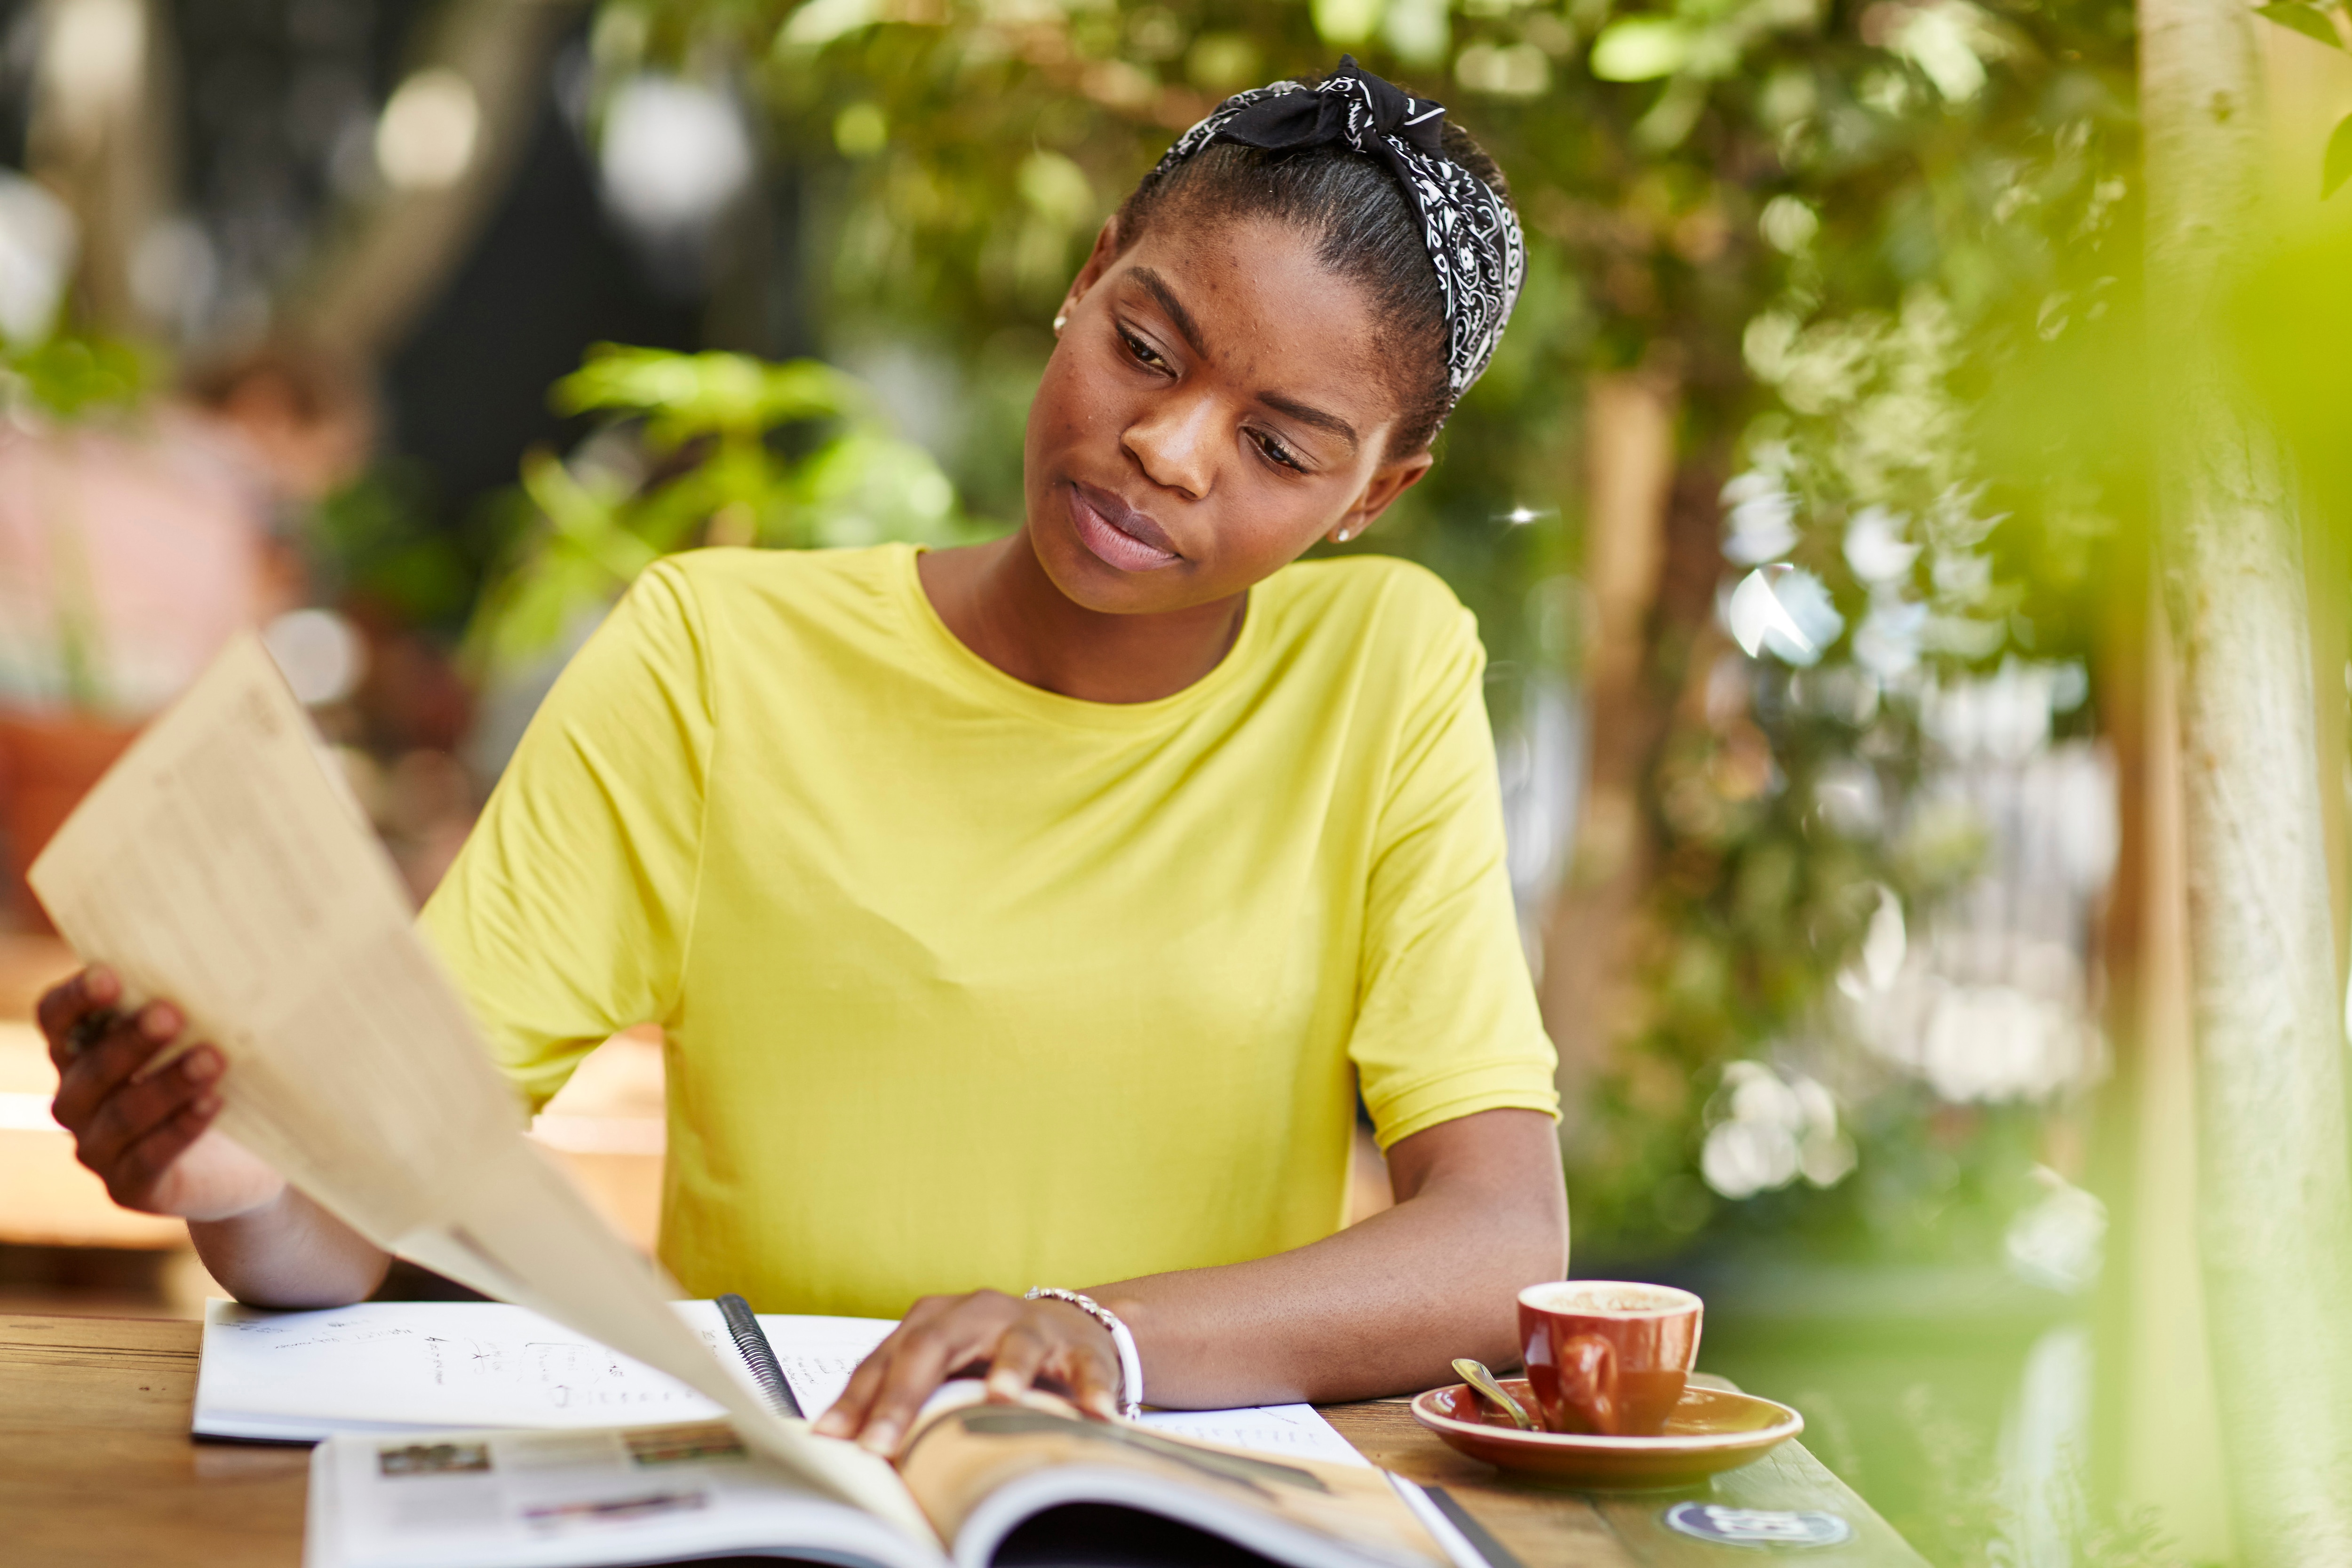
(1756,1525)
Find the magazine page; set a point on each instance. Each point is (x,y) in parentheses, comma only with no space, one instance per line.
(221,865)
(577,1499)
(984,1472)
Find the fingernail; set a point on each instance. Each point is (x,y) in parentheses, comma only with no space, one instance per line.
(878,1437)
(207,1104)
(99,984)
(159,1021)
(202,1065)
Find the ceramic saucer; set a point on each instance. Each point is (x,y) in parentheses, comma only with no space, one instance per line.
(1712,1429)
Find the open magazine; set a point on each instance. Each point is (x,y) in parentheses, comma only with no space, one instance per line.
(997,1484)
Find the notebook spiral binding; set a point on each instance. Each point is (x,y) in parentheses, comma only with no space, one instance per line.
(759,1354)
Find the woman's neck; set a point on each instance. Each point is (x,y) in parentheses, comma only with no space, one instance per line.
(998,602)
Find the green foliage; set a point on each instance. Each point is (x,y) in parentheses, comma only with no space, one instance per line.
(2335,164)
(2323,25)
(1963,1518)
(377,541)
(2308,20)
(72,377)
(686,396)
(713,448)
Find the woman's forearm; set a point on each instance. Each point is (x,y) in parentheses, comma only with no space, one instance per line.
(1381,1307)
(289,1252)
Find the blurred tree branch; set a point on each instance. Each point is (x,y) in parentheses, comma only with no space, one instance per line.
(100,137)
(393,256)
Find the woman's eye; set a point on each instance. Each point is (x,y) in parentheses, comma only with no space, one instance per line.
(1275,451)
(1144,353)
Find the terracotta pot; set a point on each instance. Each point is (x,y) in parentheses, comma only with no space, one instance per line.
(48,762)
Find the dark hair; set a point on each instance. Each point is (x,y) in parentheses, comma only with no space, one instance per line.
(1364,228)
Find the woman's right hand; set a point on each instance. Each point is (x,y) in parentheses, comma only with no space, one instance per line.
(150,1139)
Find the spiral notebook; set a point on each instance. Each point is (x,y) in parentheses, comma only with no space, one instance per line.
(390,1366)
(399,1366)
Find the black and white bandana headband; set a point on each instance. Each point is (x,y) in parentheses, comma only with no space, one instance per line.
(1474,241)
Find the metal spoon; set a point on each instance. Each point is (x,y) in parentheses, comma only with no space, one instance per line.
(1475,1374)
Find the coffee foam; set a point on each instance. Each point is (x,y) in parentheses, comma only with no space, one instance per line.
(1606,1296)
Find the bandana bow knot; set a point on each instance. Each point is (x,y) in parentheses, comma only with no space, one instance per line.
(1474,241)
(1349,107)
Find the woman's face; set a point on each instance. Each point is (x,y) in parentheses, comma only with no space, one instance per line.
(1216,403)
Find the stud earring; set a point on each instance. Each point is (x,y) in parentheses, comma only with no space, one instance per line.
(1060,321)
(1343,535)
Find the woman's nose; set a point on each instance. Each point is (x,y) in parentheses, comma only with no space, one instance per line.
(1174,443)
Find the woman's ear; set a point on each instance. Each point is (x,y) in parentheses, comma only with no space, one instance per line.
(1389,481)
(1098,261)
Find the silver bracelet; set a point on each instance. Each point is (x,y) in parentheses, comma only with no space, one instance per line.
(1130,1365)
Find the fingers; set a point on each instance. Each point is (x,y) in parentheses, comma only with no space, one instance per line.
(127,1128)
(136,1109)
(86,1078)
(66,1002)
(142,1166)
(961,1331)
(1013,1366)
(848,1413)
(1093,1374)
(1021,1342)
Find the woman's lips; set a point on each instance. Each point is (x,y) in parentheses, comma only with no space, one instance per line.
(1117,533)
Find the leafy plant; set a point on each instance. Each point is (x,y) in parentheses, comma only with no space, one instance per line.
(2330,24)
(709,449)
(73,377)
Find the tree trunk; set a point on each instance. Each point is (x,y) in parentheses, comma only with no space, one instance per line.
(1629,442)
(2275,1187)
(2156,1445)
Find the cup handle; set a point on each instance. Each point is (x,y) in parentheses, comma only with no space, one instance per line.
(1588,1381)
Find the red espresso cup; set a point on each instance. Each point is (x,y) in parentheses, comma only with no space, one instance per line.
(1605,1357)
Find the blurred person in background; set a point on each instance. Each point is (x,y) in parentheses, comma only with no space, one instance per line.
(132,551)
(1030,914)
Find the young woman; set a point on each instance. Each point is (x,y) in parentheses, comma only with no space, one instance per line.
(1030,914)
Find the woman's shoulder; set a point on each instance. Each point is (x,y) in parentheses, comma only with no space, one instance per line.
(730,571)
(777,593)
(1371,600)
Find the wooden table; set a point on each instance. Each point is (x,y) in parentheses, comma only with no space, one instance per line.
(96,1467)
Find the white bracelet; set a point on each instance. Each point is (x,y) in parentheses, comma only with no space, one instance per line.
(1130,1365)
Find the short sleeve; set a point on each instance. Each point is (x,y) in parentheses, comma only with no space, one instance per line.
(1446,1022)
(567,914)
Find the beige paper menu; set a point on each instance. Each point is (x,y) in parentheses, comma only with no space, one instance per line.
(221,864)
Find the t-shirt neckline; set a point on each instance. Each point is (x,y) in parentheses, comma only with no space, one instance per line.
(1008,690)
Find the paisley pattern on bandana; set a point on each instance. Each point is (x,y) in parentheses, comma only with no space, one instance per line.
(1473,239)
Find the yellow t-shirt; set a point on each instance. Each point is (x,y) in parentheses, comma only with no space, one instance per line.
(967,983)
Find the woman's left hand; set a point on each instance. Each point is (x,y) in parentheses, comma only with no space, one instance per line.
(1022,1343)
